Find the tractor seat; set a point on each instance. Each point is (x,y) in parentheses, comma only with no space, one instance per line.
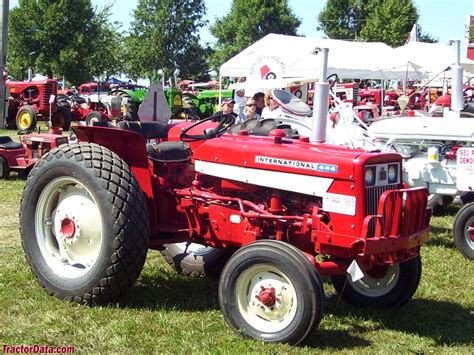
(78,99)
(7,143)
(149,130)
(262,127)
(169,152)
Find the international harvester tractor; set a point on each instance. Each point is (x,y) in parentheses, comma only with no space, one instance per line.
(284,212)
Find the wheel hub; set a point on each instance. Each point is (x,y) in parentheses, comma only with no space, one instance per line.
(267,296)
(69,230)
(470,231)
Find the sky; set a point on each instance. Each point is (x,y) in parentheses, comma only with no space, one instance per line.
(442,19)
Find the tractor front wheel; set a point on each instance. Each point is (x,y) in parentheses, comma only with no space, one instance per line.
(270,291)
(195,259)
(463,230)
(383,286)
(84,224)
(94,117)
(26,118)
(4,168)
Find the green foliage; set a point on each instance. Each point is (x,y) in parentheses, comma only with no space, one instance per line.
(164,36)
(343,19)
(247,22)
(388,21)
(61,38)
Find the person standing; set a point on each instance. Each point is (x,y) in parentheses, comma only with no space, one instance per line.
(259,98)
(239,98)
(271,110)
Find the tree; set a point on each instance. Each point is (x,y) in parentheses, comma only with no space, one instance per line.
(342,19)
(58,38)
(164,35)
(388,21)
(247,22)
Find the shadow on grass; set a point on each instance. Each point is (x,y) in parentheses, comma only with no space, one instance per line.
(446,323)
(172,291)
(442,237)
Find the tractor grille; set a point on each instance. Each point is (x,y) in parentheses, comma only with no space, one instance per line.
(372,197)
(48,90)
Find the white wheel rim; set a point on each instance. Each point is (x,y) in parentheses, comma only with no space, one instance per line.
(194,248)
(380,286)
(68,227)
(469,233)
(266,318)
(92,120)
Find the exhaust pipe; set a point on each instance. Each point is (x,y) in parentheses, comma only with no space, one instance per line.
(321,100)
(457,100)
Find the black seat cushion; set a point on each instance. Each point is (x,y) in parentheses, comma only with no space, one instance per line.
(78,99)
(7,143)
(149,130)
(262,127)
(169,152)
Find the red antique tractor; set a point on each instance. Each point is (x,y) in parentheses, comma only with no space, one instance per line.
(280,212)
(22,156)
(33,101)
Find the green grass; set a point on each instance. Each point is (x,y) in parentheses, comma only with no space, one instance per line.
(166,312)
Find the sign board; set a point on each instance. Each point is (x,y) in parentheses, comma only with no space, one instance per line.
(337,203)
(465,167)
(52,98)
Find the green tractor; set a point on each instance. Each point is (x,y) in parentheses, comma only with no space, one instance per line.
(206,103)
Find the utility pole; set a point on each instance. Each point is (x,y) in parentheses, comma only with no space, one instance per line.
(4,9)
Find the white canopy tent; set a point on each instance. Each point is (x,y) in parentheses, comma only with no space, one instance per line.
(432,57)
(297,57)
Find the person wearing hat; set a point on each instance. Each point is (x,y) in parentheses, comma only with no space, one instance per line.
(227,108)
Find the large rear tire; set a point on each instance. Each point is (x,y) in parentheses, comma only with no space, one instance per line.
(196,260)
(463,230)
(269,291)
(84,224)
(383,286)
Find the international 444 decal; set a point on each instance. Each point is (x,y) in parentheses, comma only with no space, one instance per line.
(297,164)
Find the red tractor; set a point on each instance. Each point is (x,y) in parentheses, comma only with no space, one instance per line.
(280,213)
(33,101)
(22,156)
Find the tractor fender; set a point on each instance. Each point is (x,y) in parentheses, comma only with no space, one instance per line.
(129,146)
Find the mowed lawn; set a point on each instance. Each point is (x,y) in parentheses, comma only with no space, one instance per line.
(169,313)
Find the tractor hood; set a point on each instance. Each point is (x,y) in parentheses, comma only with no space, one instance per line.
(278,162)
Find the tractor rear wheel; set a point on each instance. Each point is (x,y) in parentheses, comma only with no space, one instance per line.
(130,109)
(62,118)
(94,117)
(196,260)
(84,224)
(4,168)
(26,118)
(269,291)
(382,286)
(463,230)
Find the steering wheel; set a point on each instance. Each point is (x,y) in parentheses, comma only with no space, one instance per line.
(332,79)
(468,94)
(63,99)
(225,121)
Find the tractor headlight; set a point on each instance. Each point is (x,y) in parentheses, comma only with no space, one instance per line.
(393,173)
(370,176)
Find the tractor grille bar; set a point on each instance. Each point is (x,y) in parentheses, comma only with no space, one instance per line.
(49,89)
(372,197)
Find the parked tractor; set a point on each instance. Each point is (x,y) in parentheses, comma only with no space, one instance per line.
(33,101)
(269,204)
(20,157)
(205,103)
